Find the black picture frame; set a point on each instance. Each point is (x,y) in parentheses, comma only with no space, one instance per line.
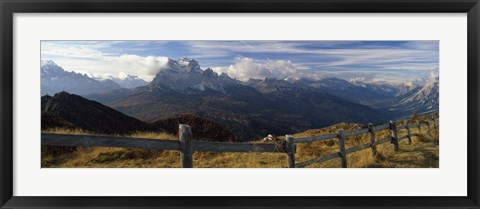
(10,7)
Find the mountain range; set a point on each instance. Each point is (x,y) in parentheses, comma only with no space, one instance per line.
(128,81)
(259,107)
(55,79)
(423,99)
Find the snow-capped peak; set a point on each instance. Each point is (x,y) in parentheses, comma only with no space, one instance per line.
(183,64)
(292,79)
(128,81)
(47,62)
(424,98)
(187,74)
(184,60)
(48,67)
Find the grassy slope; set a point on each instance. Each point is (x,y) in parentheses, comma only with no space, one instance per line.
(423,153)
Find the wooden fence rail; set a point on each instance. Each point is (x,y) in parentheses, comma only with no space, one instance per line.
(186,146)
(156,144)
(394,139)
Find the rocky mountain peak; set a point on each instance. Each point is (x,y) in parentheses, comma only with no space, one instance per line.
(186,74)
(224,75)
(183,64)
(209,73)
(48,67)
(47,62)
(422,99)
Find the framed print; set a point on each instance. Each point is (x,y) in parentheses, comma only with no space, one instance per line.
(265,104)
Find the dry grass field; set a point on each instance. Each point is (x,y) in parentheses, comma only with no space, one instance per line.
(423,153)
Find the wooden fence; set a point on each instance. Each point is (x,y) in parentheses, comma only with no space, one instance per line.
(186,146)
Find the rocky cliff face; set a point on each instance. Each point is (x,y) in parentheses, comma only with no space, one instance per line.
(186,74)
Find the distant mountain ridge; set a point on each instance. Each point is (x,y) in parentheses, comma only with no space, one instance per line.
(55,79)
(129,81)
(423,99)
(369,94)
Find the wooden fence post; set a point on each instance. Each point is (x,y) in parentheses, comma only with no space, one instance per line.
(341,145)
(290,149)
(408,135)
(394,137)
(419,126)
(428,126)
(372,138)
(185,137)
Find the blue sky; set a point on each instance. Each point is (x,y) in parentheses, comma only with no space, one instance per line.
(390,61)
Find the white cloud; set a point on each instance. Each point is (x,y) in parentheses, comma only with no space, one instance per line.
(117,66)
(245,68)
(91,61)
(143,67)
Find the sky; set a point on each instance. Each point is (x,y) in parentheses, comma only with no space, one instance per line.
(370,61)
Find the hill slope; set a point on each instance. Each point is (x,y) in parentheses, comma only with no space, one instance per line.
(202,128)
(69,111)
(76,111)
(422,153)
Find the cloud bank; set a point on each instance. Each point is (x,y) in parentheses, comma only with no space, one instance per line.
(143,67)
(245,68)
